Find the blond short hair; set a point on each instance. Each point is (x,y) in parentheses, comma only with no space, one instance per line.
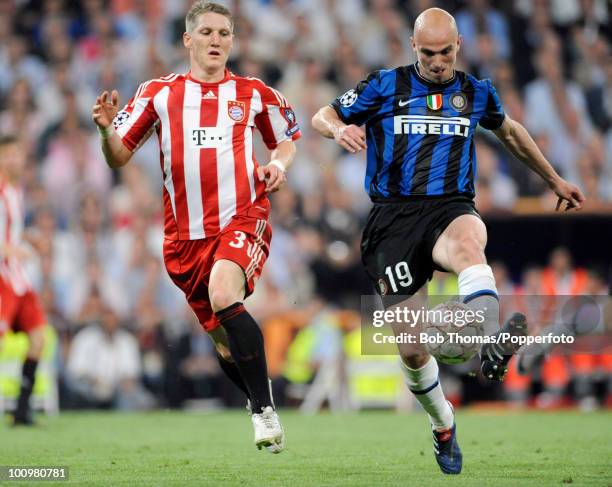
(200,7)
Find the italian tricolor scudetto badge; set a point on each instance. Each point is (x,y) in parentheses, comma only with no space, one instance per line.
(434,102)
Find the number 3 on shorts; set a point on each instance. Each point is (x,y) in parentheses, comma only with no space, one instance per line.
(240,238)
(404,278)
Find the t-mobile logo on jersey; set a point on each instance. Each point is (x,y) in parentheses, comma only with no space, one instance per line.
(206,137)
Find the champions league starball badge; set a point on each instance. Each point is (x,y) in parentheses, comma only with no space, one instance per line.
(349,98)
(120,118)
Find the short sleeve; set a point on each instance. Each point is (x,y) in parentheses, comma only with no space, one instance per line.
(358,105)
(276,121)
(137,118)
(494,115)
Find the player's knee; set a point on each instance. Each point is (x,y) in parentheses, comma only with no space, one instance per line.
(37,342)
(221,298)
(468,250)
(415,360)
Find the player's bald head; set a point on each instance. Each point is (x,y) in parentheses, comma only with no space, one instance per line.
(436,43)
(435,25)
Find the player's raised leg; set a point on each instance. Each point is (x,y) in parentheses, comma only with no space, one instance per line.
(246,346)
(460,249)
(226,362)
(421,374)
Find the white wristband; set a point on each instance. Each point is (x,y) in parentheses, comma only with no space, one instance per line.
(106,132)
(277,163)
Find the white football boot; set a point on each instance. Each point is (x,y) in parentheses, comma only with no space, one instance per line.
(268,430)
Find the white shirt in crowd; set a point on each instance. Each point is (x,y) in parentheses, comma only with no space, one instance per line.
(102,360)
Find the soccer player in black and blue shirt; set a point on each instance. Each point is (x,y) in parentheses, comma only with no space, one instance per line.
(421,167)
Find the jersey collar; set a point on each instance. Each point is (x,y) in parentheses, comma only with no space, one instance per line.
(227,75)
(432,84)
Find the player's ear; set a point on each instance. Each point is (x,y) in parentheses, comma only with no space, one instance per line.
(459,42)
(413,44)
(187,39)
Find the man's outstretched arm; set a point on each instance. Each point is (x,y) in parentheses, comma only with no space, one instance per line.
(280,160)
(328,124)
(103,113)
(518,141)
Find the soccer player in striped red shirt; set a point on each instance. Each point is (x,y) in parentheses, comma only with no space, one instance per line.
(20,307)
(215,193)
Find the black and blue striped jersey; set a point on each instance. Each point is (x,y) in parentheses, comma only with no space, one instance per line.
(420,133)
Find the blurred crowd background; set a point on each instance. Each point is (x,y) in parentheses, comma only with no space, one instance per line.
(125,335)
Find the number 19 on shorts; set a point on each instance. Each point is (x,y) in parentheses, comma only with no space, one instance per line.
(398,274)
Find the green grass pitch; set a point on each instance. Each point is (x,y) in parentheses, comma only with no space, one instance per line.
(366,449)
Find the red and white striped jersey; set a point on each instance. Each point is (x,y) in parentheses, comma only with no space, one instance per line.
(205,133)
(11,231)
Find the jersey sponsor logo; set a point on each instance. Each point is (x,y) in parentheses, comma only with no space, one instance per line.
(206,138)
(403,103)
(120,118)
(434,102)
(349,98)
(458,101)
(431,125)
(236,110)
(209,96)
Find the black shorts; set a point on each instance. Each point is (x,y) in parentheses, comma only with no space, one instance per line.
(399,238)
